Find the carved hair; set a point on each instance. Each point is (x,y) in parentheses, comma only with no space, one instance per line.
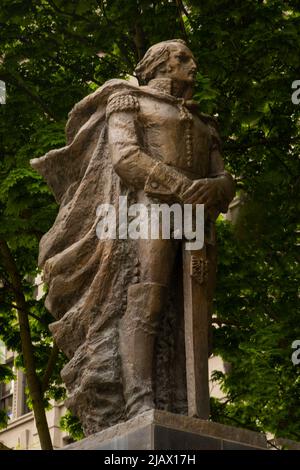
(156,56)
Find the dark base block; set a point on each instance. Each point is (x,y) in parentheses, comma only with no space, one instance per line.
(159,430)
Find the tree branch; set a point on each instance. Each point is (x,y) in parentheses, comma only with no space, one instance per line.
(139,40)
(50,367)
(73,15)
(184,9)
(43,322)
(34,384)
(180,9)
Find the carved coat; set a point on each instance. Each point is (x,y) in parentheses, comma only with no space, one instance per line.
(118,130)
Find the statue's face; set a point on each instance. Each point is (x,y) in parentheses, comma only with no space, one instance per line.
(181,64)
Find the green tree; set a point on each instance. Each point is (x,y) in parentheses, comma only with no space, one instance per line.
(249,53)
(52,53)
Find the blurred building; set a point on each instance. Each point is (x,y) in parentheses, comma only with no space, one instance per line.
(21,431)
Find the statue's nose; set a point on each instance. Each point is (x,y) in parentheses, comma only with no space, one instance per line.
(194,66)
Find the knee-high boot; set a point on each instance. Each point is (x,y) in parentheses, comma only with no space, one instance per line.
(138,329)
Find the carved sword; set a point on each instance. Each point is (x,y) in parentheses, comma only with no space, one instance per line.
(195,273)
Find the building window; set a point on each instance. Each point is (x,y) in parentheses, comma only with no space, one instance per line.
(6,395)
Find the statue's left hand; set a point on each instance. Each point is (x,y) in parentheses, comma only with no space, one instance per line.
(203,191)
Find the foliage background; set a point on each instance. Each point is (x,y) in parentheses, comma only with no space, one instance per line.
(53,53)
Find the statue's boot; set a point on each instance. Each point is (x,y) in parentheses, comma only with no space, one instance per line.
(138,329)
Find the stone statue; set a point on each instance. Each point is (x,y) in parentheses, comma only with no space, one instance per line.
(133,316)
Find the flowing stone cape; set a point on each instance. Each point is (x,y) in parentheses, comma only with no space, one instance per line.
(88,278)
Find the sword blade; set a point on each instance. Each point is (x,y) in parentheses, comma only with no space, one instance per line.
(196,337)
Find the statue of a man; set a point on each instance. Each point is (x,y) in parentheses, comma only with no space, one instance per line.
(117,301)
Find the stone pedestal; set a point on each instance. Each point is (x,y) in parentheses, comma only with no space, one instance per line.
(159,430)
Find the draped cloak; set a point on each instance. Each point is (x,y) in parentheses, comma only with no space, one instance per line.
(88,278)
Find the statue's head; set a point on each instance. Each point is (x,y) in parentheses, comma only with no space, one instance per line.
(170,59)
